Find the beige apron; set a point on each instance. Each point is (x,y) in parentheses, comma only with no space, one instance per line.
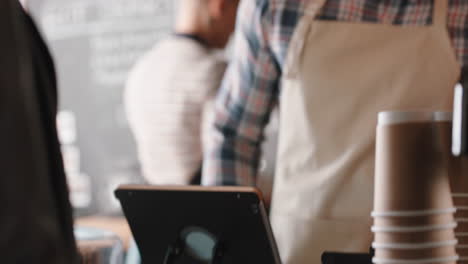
(338,76)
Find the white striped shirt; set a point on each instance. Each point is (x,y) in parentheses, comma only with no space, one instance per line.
(167,96)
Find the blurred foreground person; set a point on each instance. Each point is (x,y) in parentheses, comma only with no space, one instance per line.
(168,92)
(36,218)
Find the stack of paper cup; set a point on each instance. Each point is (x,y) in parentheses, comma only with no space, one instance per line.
(458,175)
(461,233)
(413,208)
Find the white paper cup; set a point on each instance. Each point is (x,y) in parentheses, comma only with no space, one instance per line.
(421,237)
(414,234)
(439,219)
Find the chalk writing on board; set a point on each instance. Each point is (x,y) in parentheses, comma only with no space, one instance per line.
(75,18)
(95,43)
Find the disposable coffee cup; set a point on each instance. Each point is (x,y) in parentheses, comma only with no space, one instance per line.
(414,221)
(415,237)
(457,168)
(447,260)
(410,167)
(413,254)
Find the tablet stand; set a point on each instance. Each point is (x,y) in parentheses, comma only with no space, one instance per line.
(177,249)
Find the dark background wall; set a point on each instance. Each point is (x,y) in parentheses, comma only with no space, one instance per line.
(94,44)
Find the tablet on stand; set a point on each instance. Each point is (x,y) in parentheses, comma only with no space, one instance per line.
(194,224)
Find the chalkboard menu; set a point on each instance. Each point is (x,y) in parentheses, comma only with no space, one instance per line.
(94,44)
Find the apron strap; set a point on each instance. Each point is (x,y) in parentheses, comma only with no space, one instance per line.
(440,13)
(298,39)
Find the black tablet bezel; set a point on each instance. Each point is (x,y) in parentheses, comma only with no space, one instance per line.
(249,198)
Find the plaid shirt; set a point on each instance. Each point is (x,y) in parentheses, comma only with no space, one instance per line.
(251,88)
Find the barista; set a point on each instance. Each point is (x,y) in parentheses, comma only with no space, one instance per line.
(331,66)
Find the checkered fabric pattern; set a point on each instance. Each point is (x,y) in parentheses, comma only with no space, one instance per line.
(251,88)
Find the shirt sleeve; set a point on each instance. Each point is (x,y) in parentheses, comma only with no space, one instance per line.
(248,94)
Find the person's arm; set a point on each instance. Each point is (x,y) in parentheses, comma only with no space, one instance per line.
(248,94)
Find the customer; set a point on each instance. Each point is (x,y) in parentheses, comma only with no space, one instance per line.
(331,66)
(36,224)
(169,91)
